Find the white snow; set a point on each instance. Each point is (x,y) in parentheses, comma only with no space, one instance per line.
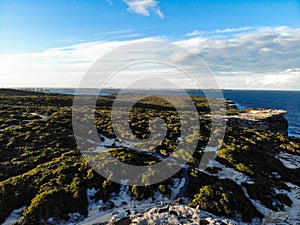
(260,207)
(277,175)
(213,219)
(122,202)
(108,142)
(92,142)
(177,185)
(42,116)
(230,173)
(74,218)
(291,214)
(289,160)
(14,216)
(180,139)
(123,196)
(210,149)
(125,205)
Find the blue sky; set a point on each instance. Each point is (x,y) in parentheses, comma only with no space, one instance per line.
(30,25)
(38,27)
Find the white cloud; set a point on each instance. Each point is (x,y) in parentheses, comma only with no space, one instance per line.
(281,80)
(257,50)
(232,30)
(260,58)
(58,67)
(195,33)
(179,56)
(143,7)
(220,32)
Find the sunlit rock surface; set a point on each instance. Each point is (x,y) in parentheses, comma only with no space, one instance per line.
(260,119)
(168,215)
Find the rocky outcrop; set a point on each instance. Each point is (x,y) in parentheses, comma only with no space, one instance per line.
(177,214)
(169,215)
(230,105)
(260,119)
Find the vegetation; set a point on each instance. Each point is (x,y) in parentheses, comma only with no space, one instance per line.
(42,168)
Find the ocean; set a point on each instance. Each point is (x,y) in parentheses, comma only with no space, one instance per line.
(286,100)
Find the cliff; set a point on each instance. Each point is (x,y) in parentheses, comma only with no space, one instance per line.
(260,119)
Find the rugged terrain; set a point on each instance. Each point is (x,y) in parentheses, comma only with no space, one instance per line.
(45,180)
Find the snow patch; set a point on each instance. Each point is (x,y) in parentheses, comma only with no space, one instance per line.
(230,173)
(15,216)
(276,175)
(123,205)
(113,142)
(289,161)
(107,143)
(42,116)
(258,205)
(177,186)
(218,220)
(291,214)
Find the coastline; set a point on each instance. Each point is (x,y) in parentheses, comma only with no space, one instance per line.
(251,160)
(242,99)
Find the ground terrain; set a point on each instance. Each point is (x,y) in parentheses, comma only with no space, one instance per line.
(43,173)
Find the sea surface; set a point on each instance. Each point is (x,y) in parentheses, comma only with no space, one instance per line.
(286,100)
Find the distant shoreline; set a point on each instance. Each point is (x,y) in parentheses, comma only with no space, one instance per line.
(242,98)
(43,89)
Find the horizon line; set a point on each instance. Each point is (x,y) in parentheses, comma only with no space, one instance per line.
(152,89)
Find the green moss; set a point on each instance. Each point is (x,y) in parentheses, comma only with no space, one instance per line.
(213,198)
(142,192)
(243,168)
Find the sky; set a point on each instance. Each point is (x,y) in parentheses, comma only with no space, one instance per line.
(246,44)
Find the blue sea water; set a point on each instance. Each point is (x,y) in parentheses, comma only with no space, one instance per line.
(287,100)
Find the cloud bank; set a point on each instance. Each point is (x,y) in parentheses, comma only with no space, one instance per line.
(244,58)
(267,56)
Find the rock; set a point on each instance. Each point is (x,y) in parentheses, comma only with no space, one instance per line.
(211,221)
(124,221)
(260,119)
(230,105)
(173,213)
(163,210)
(178,214)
